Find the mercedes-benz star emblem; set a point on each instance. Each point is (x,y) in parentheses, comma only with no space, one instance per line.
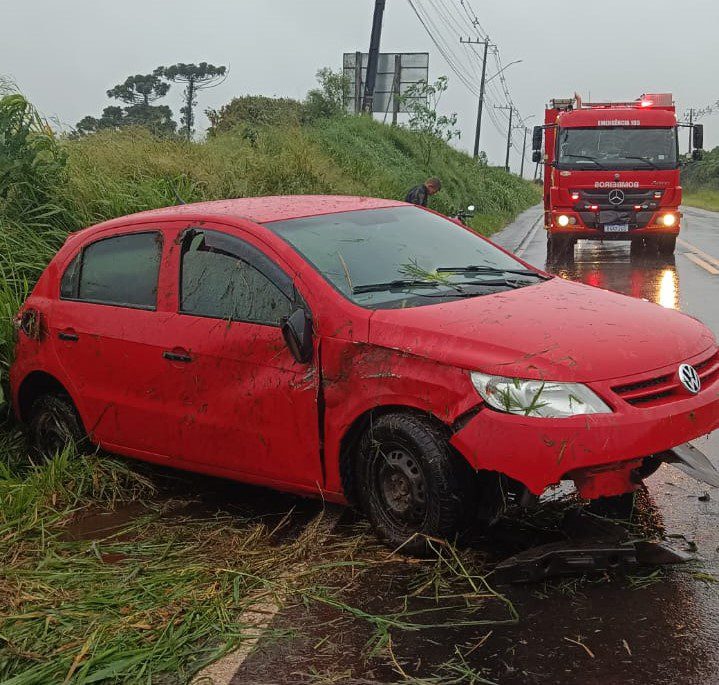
(616,196)
(690,378)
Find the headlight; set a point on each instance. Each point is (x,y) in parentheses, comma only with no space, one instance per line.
(563,220)
(545,399)
(669,219)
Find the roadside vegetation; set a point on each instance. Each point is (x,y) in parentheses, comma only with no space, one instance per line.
(157,591)
(700,180)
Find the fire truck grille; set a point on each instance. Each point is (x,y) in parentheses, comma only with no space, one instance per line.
(632,198)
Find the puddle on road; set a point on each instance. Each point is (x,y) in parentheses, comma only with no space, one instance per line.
(610,266)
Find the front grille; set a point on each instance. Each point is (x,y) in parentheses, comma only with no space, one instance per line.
(632,197)
(652,392)
(624,213)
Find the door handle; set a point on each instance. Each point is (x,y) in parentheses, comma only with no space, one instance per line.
(68,336)
(177,356)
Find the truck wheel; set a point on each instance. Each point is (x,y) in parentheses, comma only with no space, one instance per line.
(53,424)
(666,245)
(409,483)
(637,248)
(559,248)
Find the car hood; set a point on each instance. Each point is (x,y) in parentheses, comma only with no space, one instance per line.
(556,330)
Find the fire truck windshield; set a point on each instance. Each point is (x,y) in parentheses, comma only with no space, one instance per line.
(617,148)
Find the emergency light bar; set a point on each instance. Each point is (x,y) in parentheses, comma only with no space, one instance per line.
(646,100)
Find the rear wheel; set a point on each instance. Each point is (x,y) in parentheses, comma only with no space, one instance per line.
(53,424)
(410,484)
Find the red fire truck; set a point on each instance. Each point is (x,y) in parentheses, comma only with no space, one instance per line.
(611,172)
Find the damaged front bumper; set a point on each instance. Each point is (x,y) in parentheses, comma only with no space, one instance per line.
(604,454)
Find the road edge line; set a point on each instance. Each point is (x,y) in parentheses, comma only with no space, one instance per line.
(259,617)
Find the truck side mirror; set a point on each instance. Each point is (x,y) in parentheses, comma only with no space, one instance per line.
(537,156)
(297,332)
(698,136)
(537,137)
(697,154)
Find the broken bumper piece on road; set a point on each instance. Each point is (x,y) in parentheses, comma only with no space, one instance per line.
(562,559)
(694,463)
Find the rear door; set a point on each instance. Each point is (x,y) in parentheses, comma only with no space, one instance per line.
(241,403)
(105,329)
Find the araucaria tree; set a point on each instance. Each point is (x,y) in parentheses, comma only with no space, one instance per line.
(138,93)
(196,77)
(141,89)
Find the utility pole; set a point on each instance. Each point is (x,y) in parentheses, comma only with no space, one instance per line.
(691,121)
(509,132)
(486,44)
(396,87)
(524,152)
(373,57)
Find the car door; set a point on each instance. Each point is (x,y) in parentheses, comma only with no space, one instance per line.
(242,403)
(105,331)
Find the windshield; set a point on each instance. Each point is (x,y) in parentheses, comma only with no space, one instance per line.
(401,257)
(617,148)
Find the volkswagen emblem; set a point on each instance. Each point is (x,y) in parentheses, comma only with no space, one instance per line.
(616,196)
(690,378)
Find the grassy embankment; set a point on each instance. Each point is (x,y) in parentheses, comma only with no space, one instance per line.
(162,592)
(701,182)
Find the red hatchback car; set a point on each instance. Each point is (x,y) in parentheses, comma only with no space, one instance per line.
(366,350)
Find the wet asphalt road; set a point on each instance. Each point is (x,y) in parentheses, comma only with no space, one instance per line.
(609,631)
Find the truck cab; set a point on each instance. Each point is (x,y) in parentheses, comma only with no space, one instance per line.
(611,172)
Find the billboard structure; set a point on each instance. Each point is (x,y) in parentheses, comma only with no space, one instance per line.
(396,73)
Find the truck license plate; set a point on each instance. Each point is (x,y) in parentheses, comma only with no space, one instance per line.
(616,228)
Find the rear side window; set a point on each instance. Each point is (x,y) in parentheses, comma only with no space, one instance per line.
(221,279)
(121,271)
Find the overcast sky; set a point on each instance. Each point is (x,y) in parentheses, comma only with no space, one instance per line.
(65,55)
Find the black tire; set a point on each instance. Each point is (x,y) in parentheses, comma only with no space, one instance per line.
(560,248)
(53,423)
(618,507)
(637,248)
(666,245)
(409,483)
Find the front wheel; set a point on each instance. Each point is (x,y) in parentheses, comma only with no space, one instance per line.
(410,484)
(666,245)
(560,248)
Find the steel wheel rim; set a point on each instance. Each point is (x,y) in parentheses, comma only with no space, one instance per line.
(400,485)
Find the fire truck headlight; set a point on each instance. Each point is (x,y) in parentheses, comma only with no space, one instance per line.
(563,220)
(668,219)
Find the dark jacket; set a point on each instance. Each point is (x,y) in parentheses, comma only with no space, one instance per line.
(418,195)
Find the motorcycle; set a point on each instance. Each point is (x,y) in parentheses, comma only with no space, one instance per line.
(463,214)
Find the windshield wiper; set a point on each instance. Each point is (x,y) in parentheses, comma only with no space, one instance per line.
(591,159)
(401,284)
(472,268)
(643,159)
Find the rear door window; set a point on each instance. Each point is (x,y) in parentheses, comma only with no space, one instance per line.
(222,277)
(122,271)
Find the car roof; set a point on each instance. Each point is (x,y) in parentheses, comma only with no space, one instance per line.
(256,209)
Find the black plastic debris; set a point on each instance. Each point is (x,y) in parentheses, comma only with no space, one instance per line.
(563,559)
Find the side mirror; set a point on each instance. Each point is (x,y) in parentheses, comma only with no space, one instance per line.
(537,137)
(697,154)
(698,136)
(537,156)
(297,332)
